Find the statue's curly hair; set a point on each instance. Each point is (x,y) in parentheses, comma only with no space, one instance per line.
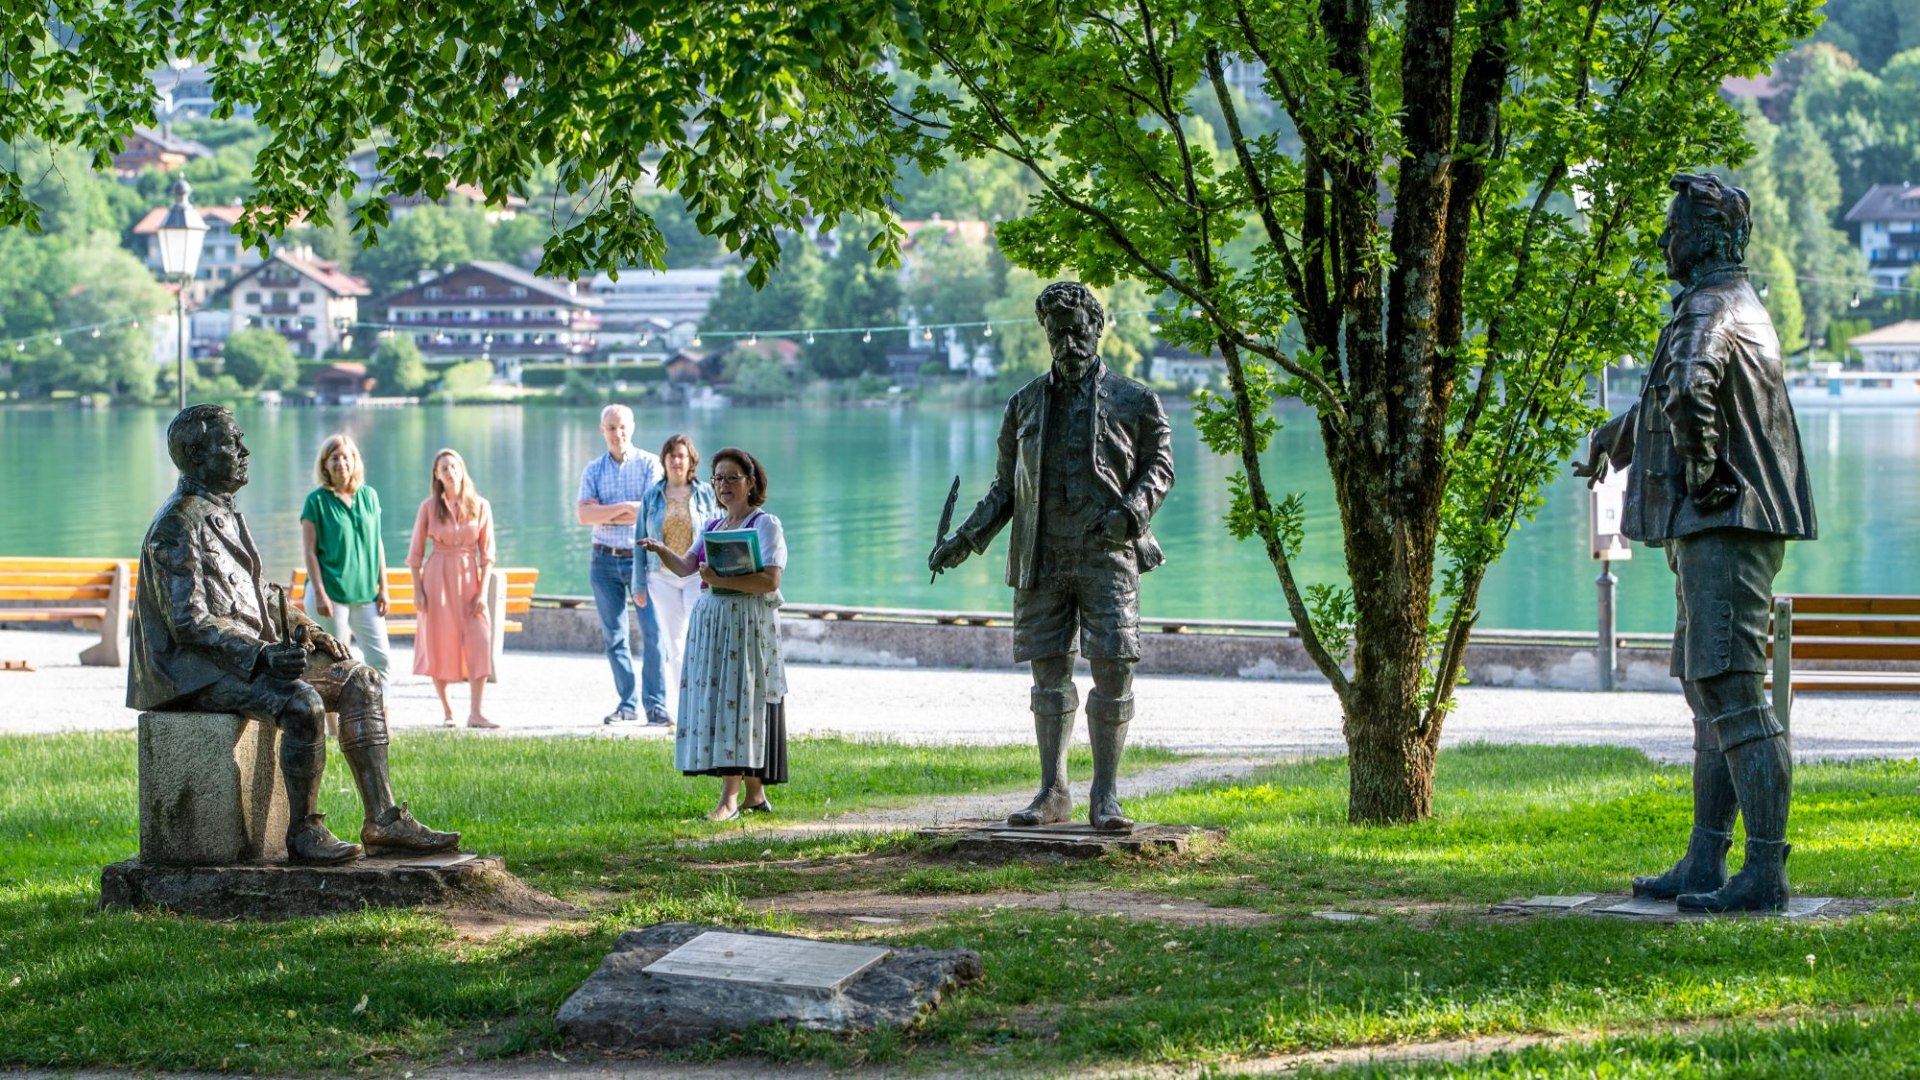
(1721,209)
(187,433)
(1070,294)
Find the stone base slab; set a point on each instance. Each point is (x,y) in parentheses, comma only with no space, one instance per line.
(287,891)
(622,1007)
(999,842)
(1639,909)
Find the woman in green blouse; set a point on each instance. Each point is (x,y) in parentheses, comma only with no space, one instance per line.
(340,530)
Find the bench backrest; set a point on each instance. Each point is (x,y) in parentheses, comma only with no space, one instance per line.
(520,585)
(1830,627)
(72,580)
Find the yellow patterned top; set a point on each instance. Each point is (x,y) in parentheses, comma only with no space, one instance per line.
(676,531)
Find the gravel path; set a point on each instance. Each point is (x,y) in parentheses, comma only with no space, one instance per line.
(565,694)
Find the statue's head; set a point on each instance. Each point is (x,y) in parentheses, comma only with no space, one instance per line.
(1074,320)
(1707,226)
(205,443)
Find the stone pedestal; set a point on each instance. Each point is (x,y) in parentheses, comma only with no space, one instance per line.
(284,891)
(211,793)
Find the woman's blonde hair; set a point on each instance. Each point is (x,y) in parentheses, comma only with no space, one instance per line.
(467,498)
(356,472)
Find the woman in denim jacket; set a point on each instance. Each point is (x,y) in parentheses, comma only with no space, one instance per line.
(672,512)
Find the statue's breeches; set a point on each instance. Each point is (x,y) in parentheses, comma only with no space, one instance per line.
(1089,590)
(1723,597)
(347,687)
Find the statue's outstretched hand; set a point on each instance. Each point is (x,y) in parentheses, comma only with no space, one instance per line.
(1597,465)
(950,553)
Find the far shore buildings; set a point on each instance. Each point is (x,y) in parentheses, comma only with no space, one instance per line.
(148,148)
(304,299)
(499,312)
(222,258)
(1890,348)
(649,314)
(1888,216)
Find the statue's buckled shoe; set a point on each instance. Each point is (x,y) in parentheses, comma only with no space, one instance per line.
(1051,807)
(1760,886)
(1106,816)
(313,844)
(1703,869)
(398,833)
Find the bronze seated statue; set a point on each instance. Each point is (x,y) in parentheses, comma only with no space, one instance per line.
(210,635)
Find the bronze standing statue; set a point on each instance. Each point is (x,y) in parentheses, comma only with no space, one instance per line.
(1085,459)
(1715,476)
(207,638)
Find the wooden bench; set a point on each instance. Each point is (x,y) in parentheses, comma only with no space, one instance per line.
(1847,628)
(509,593)
(93,594)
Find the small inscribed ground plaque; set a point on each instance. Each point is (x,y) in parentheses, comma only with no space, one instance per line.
(789,964)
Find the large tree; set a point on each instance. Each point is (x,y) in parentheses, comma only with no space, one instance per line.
(1465,233)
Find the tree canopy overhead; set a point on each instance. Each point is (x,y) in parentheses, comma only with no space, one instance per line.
(1463,235)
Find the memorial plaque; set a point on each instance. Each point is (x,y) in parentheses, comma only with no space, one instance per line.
(1642,907)
(1555,902)
(794,965)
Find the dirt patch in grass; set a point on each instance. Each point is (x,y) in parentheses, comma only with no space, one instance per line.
(882,910)
(483,925)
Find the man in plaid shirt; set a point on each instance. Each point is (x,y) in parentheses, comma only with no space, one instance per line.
(610,494)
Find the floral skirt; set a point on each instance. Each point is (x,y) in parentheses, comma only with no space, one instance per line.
(732,686)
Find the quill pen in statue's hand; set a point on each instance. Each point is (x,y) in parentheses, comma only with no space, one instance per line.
(946,522)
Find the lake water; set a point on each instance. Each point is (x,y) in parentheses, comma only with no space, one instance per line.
(859,491)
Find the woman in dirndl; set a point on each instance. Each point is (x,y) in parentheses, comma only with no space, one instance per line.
(733,683)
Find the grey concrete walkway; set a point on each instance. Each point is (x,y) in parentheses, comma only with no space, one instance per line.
(554,694)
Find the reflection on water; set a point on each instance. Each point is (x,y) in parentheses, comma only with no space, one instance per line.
(859,492)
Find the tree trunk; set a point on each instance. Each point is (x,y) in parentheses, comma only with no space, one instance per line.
(1391,528)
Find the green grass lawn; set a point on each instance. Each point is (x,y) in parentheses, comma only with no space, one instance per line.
(595,822)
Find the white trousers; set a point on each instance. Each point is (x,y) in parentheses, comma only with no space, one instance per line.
(675,596)
(362,625)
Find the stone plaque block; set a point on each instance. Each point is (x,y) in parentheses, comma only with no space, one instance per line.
(211,793)
(795,965)
(1555,903)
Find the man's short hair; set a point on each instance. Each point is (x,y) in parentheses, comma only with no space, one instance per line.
(188,433)
(1720,208)
(616,410)
(1062,295)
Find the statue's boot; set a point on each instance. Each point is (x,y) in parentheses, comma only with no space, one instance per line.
(1107,720)
(302,764)
(1704,867)
(1053,712)
(389,828)
(314,844)
(397,832)
(1762,770)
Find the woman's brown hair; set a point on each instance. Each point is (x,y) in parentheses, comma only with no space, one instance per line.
(679,439)
(750,465)
(467,498)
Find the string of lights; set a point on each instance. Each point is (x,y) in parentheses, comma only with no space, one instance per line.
(1857,294)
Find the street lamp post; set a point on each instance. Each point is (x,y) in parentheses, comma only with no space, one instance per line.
(181,236)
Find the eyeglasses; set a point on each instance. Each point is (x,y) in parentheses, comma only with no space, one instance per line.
(728,478)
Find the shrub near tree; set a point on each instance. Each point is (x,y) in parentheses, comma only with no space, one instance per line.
(260,359)
(397,367)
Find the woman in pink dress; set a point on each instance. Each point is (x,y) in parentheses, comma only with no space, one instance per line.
(451,643)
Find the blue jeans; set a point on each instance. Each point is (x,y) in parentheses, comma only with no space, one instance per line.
(611,576)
